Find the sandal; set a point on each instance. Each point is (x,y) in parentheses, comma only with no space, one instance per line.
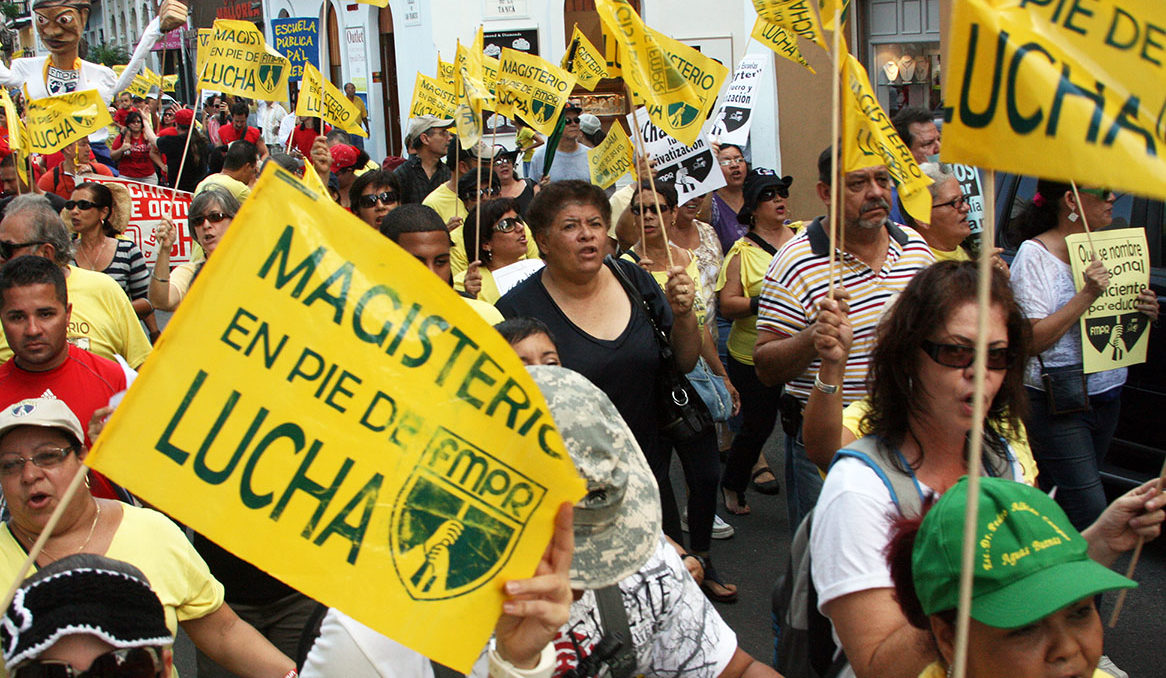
(715,588)
(768,486)
(738,507)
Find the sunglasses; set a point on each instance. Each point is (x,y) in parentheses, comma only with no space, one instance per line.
(136,662)
(7,249)
(637,210)
(962,356)
(83,204)
(213,217)
(509,224)
(769,195)
(1099,193)
(385,198)
(731,162)
(955,203)
(573,121)
(485,192)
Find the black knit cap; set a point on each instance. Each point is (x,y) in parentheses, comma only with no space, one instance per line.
(759,179)
(83,594)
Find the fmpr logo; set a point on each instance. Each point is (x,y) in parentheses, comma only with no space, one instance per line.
(458,518)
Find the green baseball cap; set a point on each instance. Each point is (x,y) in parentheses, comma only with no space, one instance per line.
(1029,560)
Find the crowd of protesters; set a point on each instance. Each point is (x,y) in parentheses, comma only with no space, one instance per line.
(613,290)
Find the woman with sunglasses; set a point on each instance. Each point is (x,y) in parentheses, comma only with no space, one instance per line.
(522,190)
(921,390)
(134,151)
(500,243)
(98,220)
(373,195)
(209,216)
(765,213)
(1069,442)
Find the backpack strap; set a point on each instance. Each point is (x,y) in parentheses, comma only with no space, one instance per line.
(614,618)
(904,488)
(762,243)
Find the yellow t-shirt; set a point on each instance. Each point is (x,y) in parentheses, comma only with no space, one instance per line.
(853,413)
(489,292)
(103,319)
(524,140)
(958,254)
(693,272)
(446,203)
(237,188)
(753,262)
(457,253)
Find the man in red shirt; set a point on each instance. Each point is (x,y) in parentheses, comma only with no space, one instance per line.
(240,130)
(35,311)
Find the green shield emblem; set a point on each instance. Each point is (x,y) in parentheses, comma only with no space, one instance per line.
(458,518)
(681,114)
(541,110)
(269,76)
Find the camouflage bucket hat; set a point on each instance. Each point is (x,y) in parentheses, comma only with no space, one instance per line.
(617,525)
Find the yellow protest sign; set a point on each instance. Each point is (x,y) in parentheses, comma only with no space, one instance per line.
(445,70)
(347,424)
(375,3)
(490,66)
(465,58)
(533,88)
(612,158)
(1073,95)
(1113,332)
(17,134)
(321,99)
(169,83)
(313,181)
(240,62)
(869,139)
(468,116)
(826,9)
(781,41)
(432,97)
(668,93)
(202,49)
(796,16)
(585,61)
(55,122)
(140,85)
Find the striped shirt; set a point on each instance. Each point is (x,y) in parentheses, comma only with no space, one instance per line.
(798,279)
(129,269)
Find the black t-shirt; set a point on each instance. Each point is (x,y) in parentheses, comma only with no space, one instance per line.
(626,368)
(171,147)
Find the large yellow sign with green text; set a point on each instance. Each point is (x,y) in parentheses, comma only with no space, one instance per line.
(324,407)
(240,62)
(1064,90)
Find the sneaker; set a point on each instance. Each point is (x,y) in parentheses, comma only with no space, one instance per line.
(1107,666)
(721,529)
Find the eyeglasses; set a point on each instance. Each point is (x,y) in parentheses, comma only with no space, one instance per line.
(731,162)
(509,224)
(83,204)
(44,457)
(7,249)
(637,210)
(213,217)
(962,355)
(770,195)
(485,192)
(385,198)
(503,160)
(572,121)
(1099,193)
(134,662)
(955,203)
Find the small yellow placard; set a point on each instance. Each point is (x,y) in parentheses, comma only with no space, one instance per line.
(612,158)
(325,408)
(55,122)
(1113,332)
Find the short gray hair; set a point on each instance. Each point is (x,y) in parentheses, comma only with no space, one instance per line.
(214,195)
(46,223)
(938,172)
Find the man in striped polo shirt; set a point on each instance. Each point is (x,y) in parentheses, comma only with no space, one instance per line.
(879,258)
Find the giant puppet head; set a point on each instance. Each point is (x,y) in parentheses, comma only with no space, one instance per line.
(60,23)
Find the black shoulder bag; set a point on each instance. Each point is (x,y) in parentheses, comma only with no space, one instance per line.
(683,415)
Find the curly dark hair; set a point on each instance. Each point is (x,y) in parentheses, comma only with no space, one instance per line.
(924,306)
(555,196)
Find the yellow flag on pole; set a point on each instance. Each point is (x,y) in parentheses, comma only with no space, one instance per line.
(586,62)
(869,139)
(432,97)
(781,40)
(445,70)
(826,9)
(796,16)
(202,49)
(321,99)
(612,158)
(533,88)
(240,62)
(674,102)
(313,180)
(351,413)
(374,3)
(17,134)
(1080,98)
(56,122)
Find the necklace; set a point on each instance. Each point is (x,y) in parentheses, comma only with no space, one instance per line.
(92,254)
(88,538)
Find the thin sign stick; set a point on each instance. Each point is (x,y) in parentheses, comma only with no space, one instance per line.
(1121,596)
(652,183)
(636,138)
(835,149)
(963,619)
(1084,221)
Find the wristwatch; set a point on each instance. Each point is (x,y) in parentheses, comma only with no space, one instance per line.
(828,389)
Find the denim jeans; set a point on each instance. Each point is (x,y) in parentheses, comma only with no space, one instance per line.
(803,482)
(1069,449)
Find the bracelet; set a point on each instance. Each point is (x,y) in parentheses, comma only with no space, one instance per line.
(165,280)
(291,674)
(828,389)
(500,668)
(754,305)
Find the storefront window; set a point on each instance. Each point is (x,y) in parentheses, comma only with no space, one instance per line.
(906,74)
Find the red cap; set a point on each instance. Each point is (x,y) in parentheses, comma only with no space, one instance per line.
(184,117)
(343,156)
